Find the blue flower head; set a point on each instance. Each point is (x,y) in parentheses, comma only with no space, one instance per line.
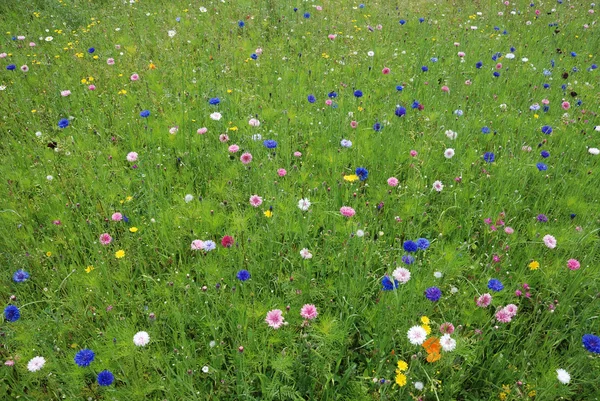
(541,166)
(545,154)
(362,173)
(388,283)
(495,285)
(84,357)
(311,99)
(63,123)
(400,111)
(434,59)
(424,68)
(433,294)
(408,259)
(573,54)
(243,275)
(358,93)
(496,74)
(11,67)
(402,22)
(144,113)
(458,112)
(12,313)
(415,105)
(241,24)
(410,246)
(479,64)
(214,101)
(306,15)
(125,219)
(377,127)
(270,143)
(209,245)
(489,157)
(422,244)
(485,130)
(546,129)
(253,56)
(332,94)
(593,67)
(105,378)
(421,19)
(20,276)
(399,88)
(91,50)
(591,343)
(361,6)
(512,49)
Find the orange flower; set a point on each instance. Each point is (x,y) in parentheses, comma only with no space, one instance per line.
(434,356)
(432,346)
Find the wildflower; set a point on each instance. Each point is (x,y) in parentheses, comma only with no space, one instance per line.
(484,300)
(105,378)
(268,213)
(591,343)
(119,254)
(534,265)
(274,318)
(433,294)
(24,68)
(541,166)
(84,357)
(362,173)
(446,328)
(422,244)
(377,127)
(345,143)
(12,313)
(144,113)
(36,363)
(347,211)
(255,200)
(432,345)
(215,116)
(89,269)
(110,61)
(546,129)
(227,241)
(246,158)
(438,186)
(549,241)
(20,275)
(392,182)
(309,312)
(401,275)
(451,134)
(572,264)
(389,284)
(400,379)
(188,198)
(408,259)
(202,131)
(449,153)
(358,93)
(134,77)
(351,178)
(305,253)
(419,386)
(503,316)
(132,156)
(489,157)
(563,376)
(311,98)
(253,122)
(304,204)
(511,309)
(416,335)
(209,246)
(410,246)
(495,285)
(400,111)
(63,123)
(105,239)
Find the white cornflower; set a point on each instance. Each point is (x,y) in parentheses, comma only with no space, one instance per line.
(305,253)
(141,338)
(563,376)
(36,363)
(304,204)
(416,335)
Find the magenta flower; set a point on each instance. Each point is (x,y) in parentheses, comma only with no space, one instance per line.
(392,181)
(573,264)
(246,158)
(347,211)
(281,172)
(105,239)
(309,311)
(255,200)
(484,300)
(503,316)
(274,318)
(117,216)
(233,148)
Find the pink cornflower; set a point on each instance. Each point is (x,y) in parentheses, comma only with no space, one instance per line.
(254,122)
(511,309)
(413,153)
(197,245)
(10,362)
(347,211)
(565,105)
(31,44)
(24,68)
(132,156)
(259,51)
(392,181)
(134,77)
(65,93)
(461,54)
(401,274)
(331,36)
(484,300)
(447,328)
(92,87)
(246,158)
(227,241)
(456,44)
(385,71)
(545,101)
(202,131)
(234,148)
(468,82)
(503,316)
(328,102)
(509,230)
(445,89)
(105,239)
(110,61)
(117,216)
(274,318)
(255,200)
(499,66)
(549,241)
(573,264)
(223,138)
(309,311)
(353,124)
(281,172)
(297,154)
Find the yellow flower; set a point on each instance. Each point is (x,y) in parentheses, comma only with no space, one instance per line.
(534,265)
(536,116)
(400,379)
(152,66)
(233,129)
(531,393)
(426,328)
(91,79)
(89,268)
(129,198)
(268,213)
(48,253)
(351,178)
(229,91)
(33,111)
(402,366)
(360,108)
(133,229)
(502,396)
(122,92)
(83,81)
(424,320)
(119,254)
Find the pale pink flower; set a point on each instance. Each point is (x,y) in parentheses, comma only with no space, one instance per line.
(545,101)
(401,274)
(461,54)
(24,68)
(281,172)
(565,105)
(117,216)
(511,309)
(132,156)
(331,36)
(31,44)
(484,300)
(573,264)
(110,61)
(379,27)
(65,93)
(549,241)
(274,318)
(10,362)
(259,51)
(468,82)
(20,37)
(319,8)
(499,66)
(509,230)
(297,154)
(447,328)
(223,138)
(3,55)
(347,211)
(105,239)
(36,363)
(141,338)
(305,253)
(309,311)
(202,131)
(134,77)
(255,200)
(392,181)
(246,158)
(416,335)
(353,124)
(234,148)
(173,130)
(448,343)
(503,316)
(413,153)
(254,122)
(197,245)
(438,186)
(445,89)
(456,44)
(328,102)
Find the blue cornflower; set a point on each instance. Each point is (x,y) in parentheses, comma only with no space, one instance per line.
(489,157)
(505,32)
(306,15)
(400,111)
(91,50)
(105,378)
(144,113)
(377,127)
(578,102)
(434,59)
(485,130)
(241,24)
(311,99)
(362,173)
(496,74)
(402,22)
(410,246)
(11,67)
(20,276)
(542,218)
(546,129)
(399,88)
(243,275)
(541,166)
(408,259)
(178,19)
(125,219)
(345,143)
(545,154)
(496,56)
(478,64)
(433,294)
(546,86)
(84,357)
(458,112)
(512,49)
(415,105)
(591,343)
(563,87)
(424,68)
(358,93)
(534,107)
(573,215)
(496,28)
(209,245)
(575,69)
(552,63)
(546,108)
(421,19)
(547,73)
(253,56)
(422,243)
(332,94)
(573,54)
(495,285)
(270,143)
(295,9)
(214,101)
(63,123)
(12,313)
(593,66)
(361,6)
(388,283)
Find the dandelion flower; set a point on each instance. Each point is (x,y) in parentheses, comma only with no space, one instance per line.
(119,254)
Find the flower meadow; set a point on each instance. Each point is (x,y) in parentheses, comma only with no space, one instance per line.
(272,200)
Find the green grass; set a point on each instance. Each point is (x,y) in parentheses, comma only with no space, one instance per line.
(201,314)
